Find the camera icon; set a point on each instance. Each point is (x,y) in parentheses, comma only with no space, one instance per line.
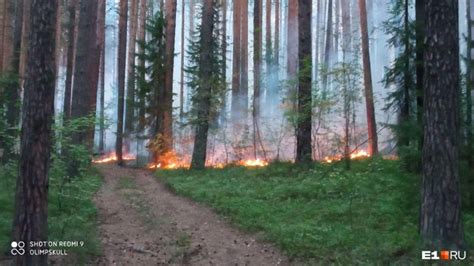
(18,248)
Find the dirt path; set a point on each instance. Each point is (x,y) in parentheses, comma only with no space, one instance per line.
(142,223)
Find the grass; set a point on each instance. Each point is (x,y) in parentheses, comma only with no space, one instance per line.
(72,215)
(319,212)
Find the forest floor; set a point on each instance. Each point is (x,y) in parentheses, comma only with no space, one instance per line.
(141,222)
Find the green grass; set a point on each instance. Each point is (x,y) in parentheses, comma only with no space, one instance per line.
(319,212)
(72,215)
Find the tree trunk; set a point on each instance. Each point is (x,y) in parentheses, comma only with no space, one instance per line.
(7,38)
(141,63)
(269,84)
(130,102)
(346,30)
(200,143)
(469,85)
(182,55)
(86,72)
(292,47)
(167,127)
(31,200)
(24,37)
(236,61)
(3,11)
(257,57)
(440,218)
(405,102)
(121,66)
(70,58)
(101,36)
(369,97)
(303,131)
(328,51)
(244,50)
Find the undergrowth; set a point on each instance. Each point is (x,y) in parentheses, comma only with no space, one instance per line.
(319,212)
(72,215)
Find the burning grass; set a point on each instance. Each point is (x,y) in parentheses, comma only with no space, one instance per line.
(112,157)
(319,211)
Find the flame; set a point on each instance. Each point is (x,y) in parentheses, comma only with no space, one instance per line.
(169,160)
(354,155)
(253,163)
(111,157)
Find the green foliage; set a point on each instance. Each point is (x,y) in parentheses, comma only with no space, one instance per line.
(9,131)
(320,212)
(71,213)
(401,76)
(151,75)
(197,81)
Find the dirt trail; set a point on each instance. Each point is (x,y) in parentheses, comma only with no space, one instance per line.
(143,223)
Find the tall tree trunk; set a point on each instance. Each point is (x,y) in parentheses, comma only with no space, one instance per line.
(121,66)
(369,97)
(200,143)
(31,200)
(182,55)
(167,126)
(440,219)
(236,61)
(257,59)
(269,84)
(346,30)
(101,36)
(86,72)
(24,37)
(257,56)
(303,131)
(328,51)
(292,47)
(244,50)
(277,37)
(7,38)
(130,102)
(224,49)
(141,63)
(70,58)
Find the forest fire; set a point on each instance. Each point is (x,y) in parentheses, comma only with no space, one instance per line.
(354,155)
(253,163)
(111,157)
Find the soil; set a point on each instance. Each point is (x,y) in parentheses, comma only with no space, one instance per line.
(144,223)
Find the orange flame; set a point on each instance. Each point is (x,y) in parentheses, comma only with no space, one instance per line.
(111,157)
(354,155)
(253,163)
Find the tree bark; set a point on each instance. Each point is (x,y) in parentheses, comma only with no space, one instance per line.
(369,97)
(24,37)
(182,55)
(440,218)
(86,72)
(236,61)
(200,143)
(70,58)
(101,36)
(257,57)
(121,66)
(130,102)
(303,131)
(292,47)
(31,200)
(141,63)
(244,50)
(167,127)
(328,50)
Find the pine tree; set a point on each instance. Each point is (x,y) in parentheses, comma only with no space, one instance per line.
(440,218)
(303,130)
(121,66)
(207,84)
(31,200)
